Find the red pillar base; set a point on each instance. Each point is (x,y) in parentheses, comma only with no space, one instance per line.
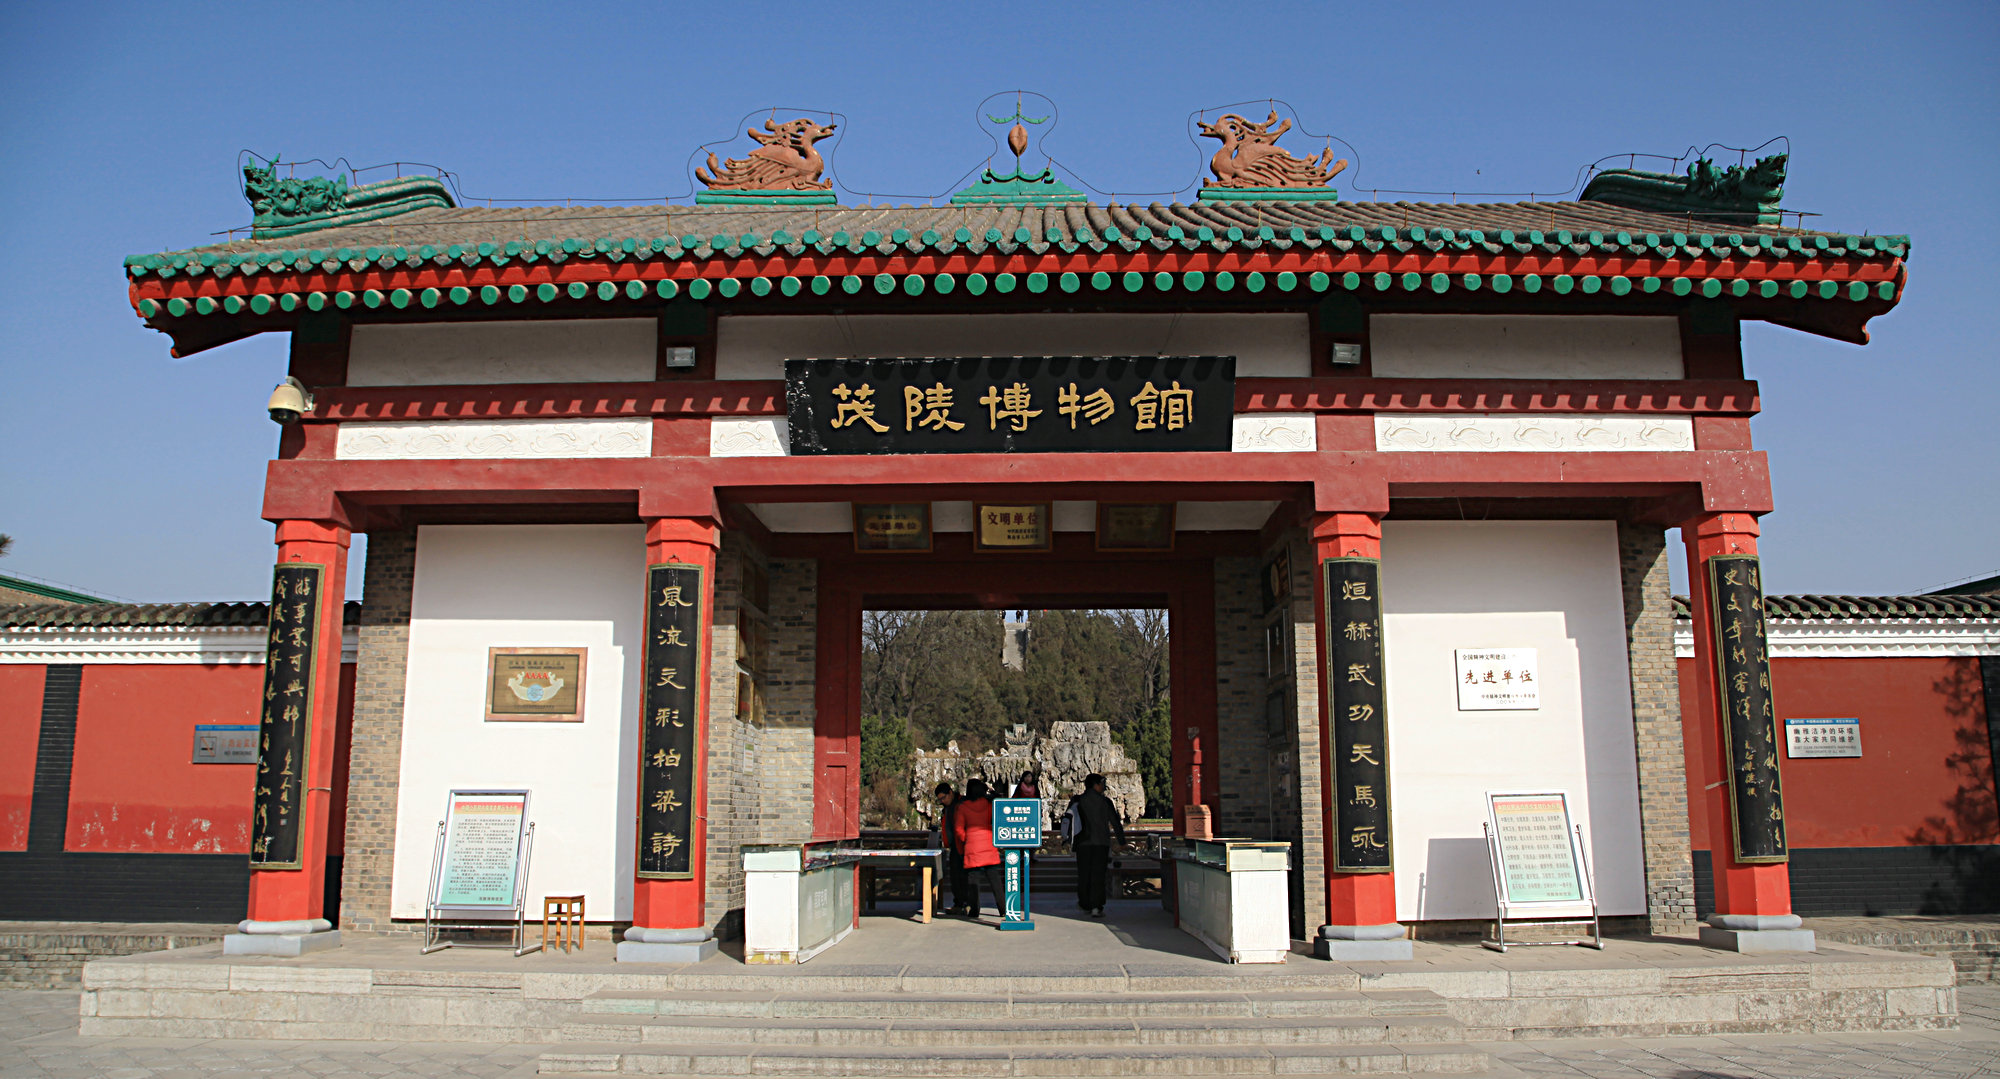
(1360,907)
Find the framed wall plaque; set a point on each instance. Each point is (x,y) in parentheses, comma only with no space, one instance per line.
(1276,585)
(1013,526)
(892,526)
(535,684)
(1497,679)
(1135,526)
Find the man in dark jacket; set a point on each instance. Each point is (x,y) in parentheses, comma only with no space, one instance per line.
(1097,822)
(954,861)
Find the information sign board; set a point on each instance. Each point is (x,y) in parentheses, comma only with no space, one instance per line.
(481,864)
(1497,679)
(1017,822)
(1014,908)
(1823,738)
(1536,847)
(216,743)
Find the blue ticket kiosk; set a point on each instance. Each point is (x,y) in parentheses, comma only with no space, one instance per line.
(1017,832)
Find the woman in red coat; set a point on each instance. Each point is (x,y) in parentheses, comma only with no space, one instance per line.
(972,826)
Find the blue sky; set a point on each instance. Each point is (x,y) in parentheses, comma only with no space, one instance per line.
(125,472)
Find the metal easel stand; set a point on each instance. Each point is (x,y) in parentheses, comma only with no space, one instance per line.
(434,927)
(1498,941)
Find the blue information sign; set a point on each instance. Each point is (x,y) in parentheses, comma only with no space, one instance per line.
(1017,822)
(1017,829)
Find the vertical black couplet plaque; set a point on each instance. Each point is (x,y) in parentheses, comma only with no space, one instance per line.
(1749,726)
(1357,712)
(284,730)
(672,714)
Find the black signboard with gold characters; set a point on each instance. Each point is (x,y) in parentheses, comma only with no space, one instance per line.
(284,730)
(1358,715)
(1034,404)
(1749,726)
(668,770)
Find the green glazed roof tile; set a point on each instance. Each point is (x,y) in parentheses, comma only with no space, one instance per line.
(475,235)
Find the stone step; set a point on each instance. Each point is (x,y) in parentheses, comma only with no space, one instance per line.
(956,1035)
(1434,1059)
(890,1006)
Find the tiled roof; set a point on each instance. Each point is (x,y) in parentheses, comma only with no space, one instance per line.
(469,236)
(1870,607)
(177,615)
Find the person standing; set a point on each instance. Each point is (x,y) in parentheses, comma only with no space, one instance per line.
(954,863)
(972,823)
(1097,821)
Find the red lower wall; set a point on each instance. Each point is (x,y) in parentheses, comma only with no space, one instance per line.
(1925,776)
(20,734)
(133,788)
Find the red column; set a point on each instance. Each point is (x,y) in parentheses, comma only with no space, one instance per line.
(680,904)
(1352,899)
(1763,889)
(284,895)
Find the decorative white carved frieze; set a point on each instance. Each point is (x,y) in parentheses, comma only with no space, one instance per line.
(760,436)
(144,644)
(1881,637)
(457,440)
(1274,432)
(1532,433)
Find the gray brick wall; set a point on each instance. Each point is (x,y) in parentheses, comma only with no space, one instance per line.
(375,756)
(1239,695)
(791,678)
(732,747)
(760,768)
(1303,805)
(1656,719)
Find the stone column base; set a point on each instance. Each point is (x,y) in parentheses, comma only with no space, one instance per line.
(642,945)
(1385,942)
(1756,933)
(293,938)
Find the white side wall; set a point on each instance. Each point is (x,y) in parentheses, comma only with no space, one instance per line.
(757,346)
(1548,585)
(1524,346)
(492,353)
(482,586)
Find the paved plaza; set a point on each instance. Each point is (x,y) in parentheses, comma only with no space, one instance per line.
(38,1040)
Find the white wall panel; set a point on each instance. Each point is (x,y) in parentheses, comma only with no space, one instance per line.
(483,586)
(1548,585)
(757,346)
(498,353)
(1524,346)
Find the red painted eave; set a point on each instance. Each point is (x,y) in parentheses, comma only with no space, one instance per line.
(1839,318)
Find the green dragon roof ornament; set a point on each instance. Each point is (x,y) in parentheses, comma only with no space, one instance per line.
(1736,195)
(289,206)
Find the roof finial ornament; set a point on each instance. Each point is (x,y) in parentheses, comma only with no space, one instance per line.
(1251,157)
(785,167)
(1018,188)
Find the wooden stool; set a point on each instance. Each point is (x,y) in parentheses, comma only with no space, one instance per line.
(565,912)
